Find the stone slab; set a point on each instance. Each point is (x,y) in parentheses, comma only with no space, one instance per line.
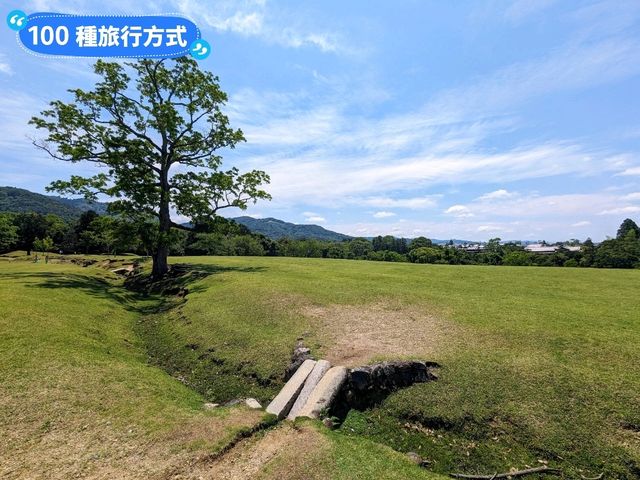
(314,377)
(283,402)
(325,392)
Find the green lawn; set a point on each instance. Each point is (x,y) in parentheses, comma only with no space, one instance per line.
(539,364)
(80,398)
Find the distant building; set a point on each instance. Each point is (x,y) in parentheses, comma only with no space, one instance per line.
(548,249)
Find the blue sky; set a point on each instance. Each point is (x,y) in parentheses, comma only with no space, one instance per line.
(518,119)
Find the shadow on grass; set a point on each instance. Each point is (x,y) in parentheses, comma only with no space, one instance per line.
(140,293)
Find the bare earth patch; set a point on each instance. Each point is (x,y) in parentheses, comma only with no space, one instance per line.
(98,450)
(359,334)
(283,449)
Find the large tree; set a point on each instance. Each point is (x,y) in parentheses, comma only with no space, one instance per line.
(158,137)
(627,226)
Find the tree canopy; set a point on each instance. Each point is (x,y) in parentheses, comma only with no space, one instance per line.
(141,122)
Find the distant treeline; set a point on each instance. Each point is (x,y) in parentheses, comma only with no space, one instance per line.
(92,233)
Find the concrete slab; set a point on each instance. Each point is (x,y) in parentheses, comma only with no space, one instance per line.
(314,377)
(283,402)
(325,392)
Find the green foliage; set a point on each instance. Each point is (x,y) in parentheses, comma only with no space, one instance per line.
(141,130)
(517,258)
(627,226)
(425,255)
(8,232)
(43,245)
(420,242)
(619,252)
(30,226)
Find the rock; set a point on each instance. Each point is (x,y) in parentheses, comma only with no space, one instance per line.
(325,393)
(370,384)
(283,402)
(253,403)
(314,377)
(211,406)
(415,458)
(300,354)
(328,422)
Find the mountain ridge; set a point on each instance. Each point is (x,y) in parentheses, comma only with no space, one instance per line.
(276,229)
(20,200)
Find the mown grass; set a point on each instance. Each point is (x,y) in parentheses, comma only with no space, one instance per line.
(80,399)
(543,366)
(77,395)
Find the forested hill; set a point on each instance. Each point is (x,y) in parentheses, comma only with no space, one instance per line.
(276,229)
(19,200)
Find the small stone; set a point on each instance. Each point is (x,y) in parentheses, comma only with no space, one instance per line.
(415,458)
(327,422)
(253,403)
(211,406)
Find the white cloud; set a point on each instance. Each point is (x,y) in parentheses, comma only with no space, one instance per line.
(492,228)
(5,67)
(575,66)
(631,171)
(629,209)
(410,203)
(384,214)
(521,9)
(497,195)
(583,223)
(313,217)
(252,18)
(459,211)
(632,196)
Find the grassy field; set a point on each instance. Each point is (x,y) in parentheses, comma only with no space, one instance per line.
(79,397)
(539,365)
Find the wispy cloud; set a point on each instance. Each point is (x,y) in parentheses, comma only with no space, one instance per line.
(521,9)
(5,66)
(313,217)
(253,18)
(497,195)
(383,214)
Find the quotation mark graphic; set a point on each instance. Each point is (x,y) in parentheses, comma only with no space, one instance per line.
(200,49)
(17,20)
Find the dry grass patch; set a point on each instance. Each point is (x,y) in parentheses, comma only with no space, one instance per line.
(359,334)
(294,450)
(86,446)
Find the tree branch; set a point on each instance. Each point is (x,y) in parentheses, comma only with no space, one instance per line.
(519,473)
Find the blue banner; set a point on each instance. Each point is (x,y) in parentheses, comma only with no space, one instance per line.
(153,36)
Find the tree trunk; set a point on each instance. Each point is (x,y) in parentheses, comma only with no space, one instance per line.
(160,263)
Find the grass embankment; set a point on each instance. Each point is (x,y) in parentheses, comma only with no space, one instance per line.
(540,365)
(79,398)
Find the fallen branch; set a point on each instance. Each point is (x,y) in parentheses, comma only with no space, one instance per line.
(518,473)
